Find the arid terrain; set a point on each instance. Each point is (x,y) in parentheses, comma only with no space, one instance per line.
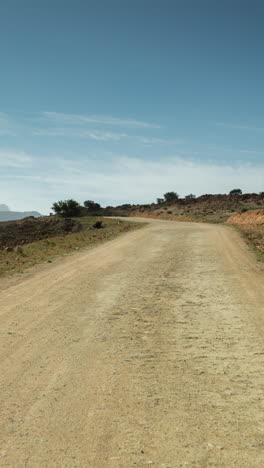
(205,208)
(30,241)
(147,350)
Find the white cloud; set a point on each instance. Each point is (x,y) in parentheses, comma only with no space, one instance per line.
(123,179)
(60,117)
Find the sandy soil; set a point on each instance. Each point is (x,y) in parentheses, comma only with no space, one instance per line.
(145,351)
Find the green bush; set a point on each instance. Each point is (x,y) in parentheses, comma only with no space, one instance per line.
(98,225)
(67,208)
(171,197)
(236,191)
(91,205)
(160,201)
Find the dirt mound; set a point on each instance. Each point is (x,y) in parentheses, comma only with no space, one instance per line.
(13,233)
(247,218)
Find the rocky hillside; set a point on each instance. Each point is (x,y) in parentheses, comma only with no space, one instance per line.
(206,208)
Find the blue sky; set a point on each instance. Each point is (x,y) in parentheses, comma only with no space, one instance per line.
(119,100)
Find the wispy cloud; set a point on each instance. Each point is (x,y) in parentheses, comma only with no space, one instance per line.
(235,150)
(77,119)
(79,133)
(15,159)
(239,127)
(102,129)
(100,135)
(97,128)
(150,141)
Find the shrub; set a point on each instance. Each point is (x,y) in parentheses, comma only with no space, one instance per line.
(160,201)
(98,225)
(171,197)
(67,208)
(236,191)
(91,205)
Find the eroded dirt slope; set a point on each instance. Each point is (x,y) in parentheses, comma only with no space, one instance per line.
(249,217)
(146,351)
(251,224)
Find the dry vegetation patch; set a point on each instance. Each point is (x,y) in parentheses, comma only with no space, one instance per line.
(19,253)
(27,230)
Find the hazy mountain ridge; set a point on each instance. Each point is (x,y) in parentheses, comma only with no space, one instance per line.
(4,207)
(15,215)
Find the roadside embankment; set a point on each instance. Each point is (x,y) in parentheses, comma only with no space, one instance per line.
(251,224)
(248,218)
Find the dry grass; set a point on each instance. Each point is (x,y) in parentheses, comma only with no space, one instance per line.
(48,249)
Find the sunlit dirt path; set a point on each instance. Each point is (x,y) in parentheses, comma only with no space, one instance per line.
(145,351)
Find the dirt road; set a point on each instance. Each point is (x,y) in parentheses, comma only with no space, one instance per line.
(145,351)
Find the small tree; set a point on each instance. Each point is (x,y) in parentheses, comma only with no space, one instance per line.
(190,196)
(67,208)
(160,201)
(171,197)
(91,205)
(236,191)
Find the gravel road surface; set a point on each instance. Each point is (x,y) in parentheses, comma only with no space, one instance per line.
(145,351)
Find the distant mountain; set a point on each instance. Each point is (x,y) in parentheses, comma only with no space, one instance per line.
(4,207)
(6,215)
